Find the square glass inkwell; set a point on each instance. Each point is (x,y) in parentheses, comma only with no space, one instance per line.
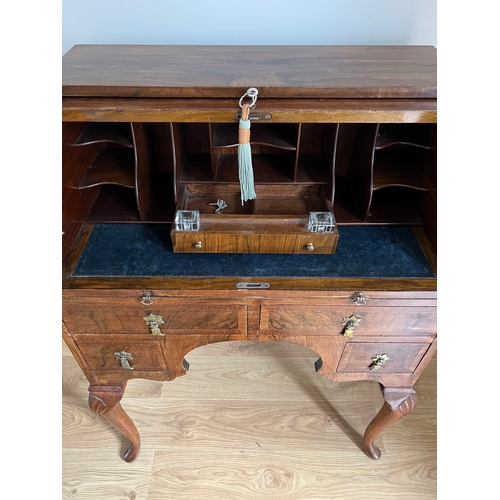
(187,220)
(321,222)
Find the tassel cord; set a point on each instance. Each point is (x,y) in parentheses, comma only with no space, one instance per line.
(245,169)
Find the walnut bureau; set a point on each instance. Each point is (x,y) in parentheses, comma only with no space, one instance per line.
(335,252)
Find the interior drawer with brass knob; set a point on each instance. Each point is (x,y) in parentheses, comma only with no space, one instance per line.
(283,218)
(382,357)
(254,234)
(254,242)
(154,316)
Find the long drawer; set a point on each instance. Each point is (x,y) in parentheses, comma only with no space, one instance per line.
(254,242)
(323,318)
(164,316)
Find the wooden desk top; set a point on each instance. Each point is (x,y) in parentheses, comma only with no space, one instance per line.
(226,71)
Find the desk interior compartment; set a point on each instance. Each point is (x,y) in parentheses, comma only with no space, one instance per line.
(362,174)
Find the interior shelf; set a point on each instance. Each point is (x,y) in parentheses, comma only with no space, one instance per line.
(196,168)
(395,205)
(114,204)
(397,158)
(277,136)
(364,173)
(312,169)
(267,168)
(110,166)
(399,167)
(301,153)
(411,134)
(105,133)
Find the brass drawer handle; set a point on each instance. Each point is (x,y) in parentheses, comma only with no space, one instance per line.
(378,360)
(124,358)
(198,245)
(154,321)
(359,298)
(310,247)
(350,323)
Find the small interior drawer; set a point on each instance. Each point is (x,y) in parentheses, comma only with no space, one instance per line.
(254,234)
(277,221)
(141,356)
(253,241)
(402,357)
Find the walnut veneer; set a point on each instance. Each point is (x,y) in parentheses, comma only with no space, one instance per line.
(149,130)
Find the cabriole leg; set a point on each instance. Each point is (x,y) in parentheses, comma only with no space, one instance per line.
(105,402)
(398,402)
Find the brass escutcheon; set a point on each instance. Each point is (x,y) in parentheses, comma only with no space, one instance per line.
(256,116)
(378,360)
(349,323)
(124,358)
(146,299)
(359,298)
(154,322)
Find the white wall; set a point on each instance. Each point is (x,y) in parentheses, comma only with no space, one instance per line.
(370,22)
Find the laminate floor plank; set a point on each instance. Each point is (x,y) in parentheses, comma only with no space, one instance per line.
(249,425)
(250,420)
(275,377)
(101,475)
(288,475)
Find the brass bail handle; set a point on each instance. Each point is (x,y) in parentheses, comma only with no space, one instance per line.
(154,321)
(349,324)
(378,360)
(251,93)
(124,358)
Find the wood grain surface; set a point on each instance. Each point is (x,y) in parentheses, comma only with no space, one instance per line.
(251,420)
(324,71)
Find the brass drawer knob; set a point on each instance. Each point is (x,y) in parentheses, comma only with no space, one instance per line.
(349,324)
(124,358)
(310,247)
(154,321)
(198,245)
(378,360)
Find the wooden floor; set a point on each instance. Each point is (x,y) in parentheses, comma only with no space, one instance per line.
(250,421)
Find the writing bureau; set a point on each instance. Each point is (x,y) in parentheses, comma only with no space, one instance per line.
(335,251)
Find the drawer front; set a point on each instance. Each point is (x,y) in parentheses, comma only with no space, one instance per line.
(123,355)
(202,242)
(382,357)
(325,319)
(177,316)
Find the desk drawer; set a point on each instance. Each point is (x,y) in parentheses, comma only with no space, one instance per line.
(123,355)
(176,316)
(327,319)
(381,357)
(277,221)
(277,242)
